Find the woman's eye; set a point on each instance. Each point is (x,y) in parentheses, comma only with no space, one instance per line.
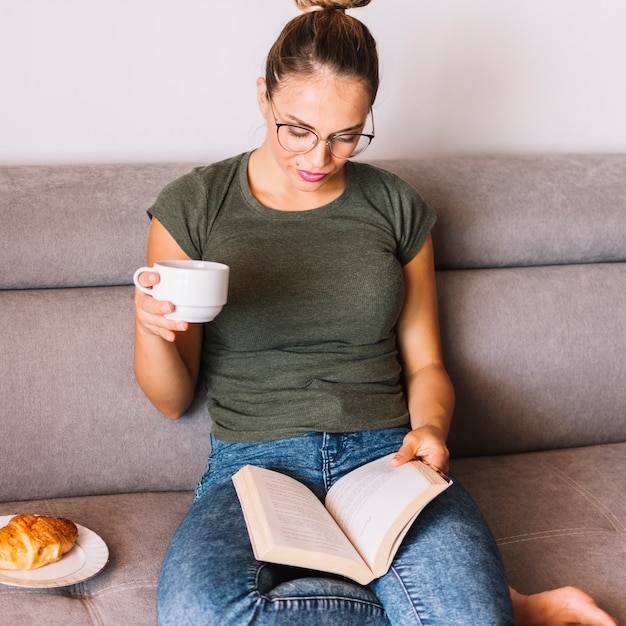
(298,133)
(349,139)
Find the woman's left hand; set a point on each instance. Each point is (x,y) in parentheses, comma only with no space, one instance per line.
(425,443)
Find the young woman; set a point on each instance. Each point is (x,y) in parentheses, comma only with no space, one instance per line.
(326,357)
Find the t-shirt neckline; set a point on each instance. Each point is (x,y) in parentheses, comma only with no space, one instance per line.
(291,215)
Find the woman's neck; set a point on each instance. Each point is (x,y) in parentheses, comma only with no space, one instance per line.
(273,189)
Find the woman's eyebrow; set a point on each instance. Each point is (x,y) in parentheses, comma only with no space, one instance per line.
(302,123)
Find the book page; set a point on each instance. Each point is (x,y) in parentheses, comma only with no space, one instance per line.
(377,497)
(293,516)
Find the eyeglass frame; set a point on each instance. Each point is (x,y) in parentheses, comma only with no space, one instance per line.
(327,141)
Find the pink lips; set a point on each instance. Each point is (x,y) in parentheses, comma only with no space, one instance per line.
(310,177)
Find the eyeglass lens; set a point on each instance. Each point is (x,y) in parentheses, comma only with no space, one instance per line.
(301,140)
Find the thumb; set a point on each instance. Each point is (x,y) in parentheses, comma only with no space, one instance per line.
(405,454)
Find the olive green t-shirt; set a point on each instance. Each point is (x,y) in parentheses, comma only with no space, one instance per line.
(307,339)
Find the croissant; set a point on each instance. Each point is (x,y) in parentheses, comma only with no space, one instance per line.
(31,541)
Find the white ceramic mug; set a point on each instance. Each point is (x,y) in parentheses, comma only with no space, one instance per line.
(198,289)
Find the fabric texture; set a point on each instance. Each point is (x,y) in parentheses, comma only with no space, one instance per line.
(522,210)
(307,340)
(532,321)
(95,231)
(543,346)
(71,402)
(447,570)
(558,516)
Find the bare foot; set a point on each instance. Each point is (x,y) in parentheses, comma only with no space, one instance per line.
(565,606)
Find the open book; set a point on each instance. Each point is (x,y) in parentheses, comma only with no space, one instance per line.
(355,534)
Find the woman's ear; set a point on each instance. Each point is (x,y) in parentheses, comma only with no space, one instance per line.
(261,94)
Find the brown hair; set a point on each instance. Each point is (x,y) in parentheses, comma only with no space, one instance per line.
(324,39)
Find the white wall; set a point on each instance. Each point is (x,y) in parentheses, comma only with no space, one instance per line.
(132,80)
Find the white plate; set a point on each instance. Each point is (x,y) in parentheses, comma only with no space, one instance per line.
(88,556)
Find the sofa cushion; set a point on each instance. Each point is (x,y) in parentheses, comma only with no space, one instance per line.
(92,217)
(76,420)
(559,518)
(494,211)
(512,210)
(137,529)
(536,355)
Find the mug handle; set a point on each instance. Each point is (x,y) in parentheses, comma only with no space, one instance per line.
(139,286)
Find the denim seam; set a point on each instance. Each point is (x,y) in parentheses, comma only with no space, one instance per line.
(323,598)
(406,593)
(325,462)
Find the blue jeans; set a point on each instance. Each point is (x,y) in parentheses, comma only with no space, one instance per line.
(447,572)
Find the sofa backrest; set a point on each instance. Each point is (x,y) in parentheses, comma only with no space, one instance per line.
(531,276)
(531,255)
(73,418)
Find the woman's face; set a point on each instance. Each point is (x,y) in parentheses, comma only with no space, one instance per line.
(324,104)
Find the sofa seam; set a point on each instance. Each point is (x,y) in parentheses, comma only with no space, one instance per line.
(604,510)
(549,534)
(139,584)
(92,609)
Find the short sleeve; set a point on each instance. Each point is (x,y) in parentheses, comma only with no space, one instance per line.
(409,218)
(414,221)
(182,209)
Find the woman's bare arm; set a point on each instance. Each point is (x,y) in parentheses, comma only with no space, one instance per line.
(167,352)
(429,391)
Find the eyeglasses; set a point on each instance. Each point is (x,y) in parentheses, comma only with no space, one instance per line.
(299,140)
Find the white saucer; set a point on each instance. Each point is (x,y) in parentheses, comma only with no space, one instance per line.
(88,556)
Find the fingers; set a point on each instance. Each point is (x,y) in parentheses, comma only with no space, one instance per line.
(149,313)
(403,455)
(423,443)
(148,279)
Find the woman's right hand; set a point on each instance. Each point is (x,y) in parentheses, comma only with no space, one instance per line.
(166,360)
(150,313)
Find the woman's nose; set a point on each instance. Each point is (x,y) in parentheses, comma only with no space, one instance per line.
(320,155)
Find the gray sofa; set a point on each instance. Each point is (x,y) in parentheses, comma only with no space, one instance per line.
(531,257)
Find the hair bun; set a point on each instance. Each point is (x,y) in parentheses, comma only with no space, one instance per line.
(313,5)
